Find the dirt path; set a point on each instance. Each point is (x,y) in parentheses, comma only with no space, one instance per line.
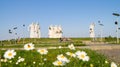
(113,55)
(111,51)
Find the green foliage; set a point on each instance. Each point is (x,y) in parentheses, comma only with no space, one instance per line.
(110,39)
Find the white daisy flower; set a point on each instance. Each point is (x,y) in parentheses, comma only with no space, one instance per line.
(86,58)
(1,60)
(9,54)
(5,60)
(45,59)
(10,61)
(60,47)
(34,62)
(16,63)
(71,47)
(78,53)
(106,62)
(113,64)
(29,46)
(58,63)
(61,57)
(19,57)
(82,55)
(41,63)
(71,54)
(42,51)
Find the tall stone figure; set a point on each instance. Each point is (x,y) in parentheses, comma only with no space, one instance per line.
(55,31)
(34,30)
(91,30)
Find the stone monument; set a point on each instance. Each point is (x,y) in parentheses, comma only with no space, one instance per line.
(91,30)
(34,30)
(55,31)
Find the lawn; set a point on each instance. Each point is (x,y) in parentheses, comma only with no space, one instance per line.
(41,42)
(33,58)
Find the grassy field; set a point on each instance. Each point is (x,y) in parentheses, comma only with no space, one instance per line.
(42,42)
(34,59)
(55,41)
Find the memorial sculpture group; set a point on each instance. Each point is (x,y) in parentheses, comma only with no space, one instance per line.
(54,31)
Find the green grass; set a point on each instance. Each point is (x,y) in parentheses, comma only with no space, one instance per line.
(42,42)
(42,45)
(111,40)
(33,56)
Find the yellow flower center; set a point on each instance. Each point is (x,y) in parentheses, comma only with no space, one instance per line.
(91,65)
(62,57)
(59,62)
(112,66)
(9,54)
(29,46)
(42,51)
(71,54)
(82,56)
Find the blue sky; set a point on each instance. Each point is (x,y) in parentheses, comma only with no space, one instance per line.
(74,16)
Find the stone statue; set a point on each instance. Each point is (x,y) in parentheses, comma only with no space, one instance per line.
(91,30)
(34,29)
(55,31)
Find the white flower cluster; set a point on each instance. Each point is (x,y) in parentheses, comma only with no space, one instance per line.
(61,60)
(3,60)
(20,60)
